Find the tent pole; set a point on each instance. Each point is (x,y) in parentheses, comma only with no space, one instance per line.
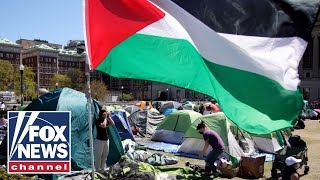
(88,95)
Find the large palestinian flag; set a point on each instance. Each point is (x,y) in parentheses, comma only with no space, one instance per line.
(243,53)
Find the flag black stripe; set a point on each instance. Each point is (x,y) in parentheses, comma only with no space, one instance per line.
(264,18)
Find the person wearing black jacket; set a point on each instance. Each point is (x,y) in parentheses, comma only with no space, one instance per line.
(102,140)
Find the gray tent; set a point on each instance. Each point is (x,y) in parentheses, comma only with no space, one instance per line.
(170,105)
(146,121)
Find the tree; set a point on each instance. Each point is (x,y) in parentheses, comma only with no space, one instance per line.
(62,80)
(98,90)
(75,77)
(6,74)
(28,79)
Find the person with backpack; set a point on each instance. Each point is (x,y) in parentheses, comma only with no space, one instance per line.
(214,140)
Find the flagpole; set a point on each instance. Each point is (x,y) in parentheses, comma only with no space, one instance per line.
(89,99)
(88,90)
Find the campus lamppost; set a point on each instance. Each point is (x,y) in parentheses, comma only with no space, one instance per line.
(167,94)
(122,93)
(21,67)
(57,85)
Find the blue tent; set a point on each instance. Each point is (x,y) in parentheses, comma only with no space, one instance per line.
(168,111)
(122,125)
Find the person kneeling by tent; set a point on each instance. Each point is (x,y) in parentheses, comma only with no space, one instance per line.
(211,138)
(102,141)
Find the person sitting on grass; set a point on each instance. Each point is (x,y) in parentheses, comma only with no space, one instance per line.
(210,138)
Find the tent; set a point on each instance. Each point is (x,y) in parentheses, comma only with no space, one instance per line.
(132,109)
(108,108)
(122,125)
(145,121)
(170,105)
(115,108)
(157,104)
(173,127)
(154,110)
(66,99)
(188,106)
(273,142)
(142,104)
(168,111)
(193,142)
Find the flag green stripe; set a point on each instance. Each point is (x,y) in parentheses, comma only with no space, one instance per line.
(177,62)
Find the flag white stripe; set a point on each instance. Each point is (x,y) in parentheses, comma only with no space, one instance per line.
(275,58)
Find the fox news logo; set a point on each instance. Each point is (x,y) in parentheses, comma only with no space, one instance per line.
(39,142)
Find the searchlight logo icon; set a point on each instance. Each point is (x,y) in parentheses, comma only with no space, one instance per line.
(39,142)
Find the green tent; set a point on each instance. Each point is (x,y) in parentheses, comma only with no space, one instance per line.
(174,126)
(179,121)
(67,99)
(193,142)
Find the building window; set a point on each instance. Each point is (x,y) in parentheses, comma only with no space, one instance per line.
(306,93)
(1,54)
(17,56)
(308,75)
(46,59)
(41,59)
(11,56)
(7,55)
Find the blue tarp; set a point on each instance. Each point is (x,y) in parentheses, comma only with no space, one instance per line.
(168,111)
(166,147)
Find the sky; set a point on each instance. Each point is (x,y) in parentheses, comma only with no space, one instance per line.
(56,21)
